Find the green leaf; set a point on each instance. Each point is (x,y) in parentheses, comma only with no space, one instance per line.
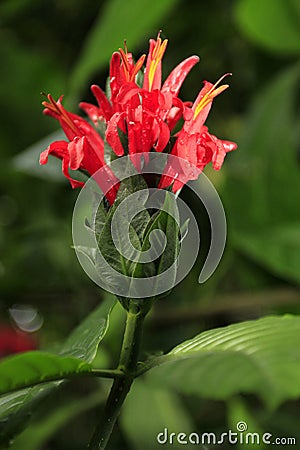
(267,174)
(83,342)
(164,221)
(17,408)
(273,24)
(29,368)
(276,249)
(260,356)
(119,20)
(133,184)
(99,212)
(266,171)
(36,435)
(237,412)
(112,255)
(128,242)
(164,410)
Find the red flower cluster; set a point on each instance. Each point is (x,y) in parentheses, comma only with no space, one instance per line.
(145,113)
(12,341)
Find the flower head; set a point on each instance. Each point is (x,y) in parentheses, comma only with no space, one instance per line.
(13,341)
(139,117)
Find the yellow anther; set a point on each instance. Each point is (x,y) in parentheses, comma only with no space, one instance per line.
(211,94)
(129,72)
(156,57)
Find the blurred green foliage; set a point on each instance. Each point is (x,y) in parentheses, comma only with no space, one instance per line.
(62,47)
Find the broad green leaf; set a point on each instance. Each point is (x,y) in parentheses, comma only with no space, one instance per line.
(265,176)
(127,187)
(125,238)
(267,173)
(127,231)
(165,222)
(118,20)
(276,249)
(99,216)
(148,410)
(273,24)
(239,416)
(38,433)
(29,368)
(17,408)
(260,356)
(84,340)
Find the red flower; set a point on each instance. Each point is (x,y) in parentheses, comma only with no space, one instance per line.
(12,341)
(194,143)
(145,113)
(85,150)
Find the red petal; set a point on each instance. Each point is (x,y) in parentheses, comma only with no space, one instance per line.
(222,147)
(186,147)
(175,112)
(112,136)
(57,148)
(152,43)
(173,117)
(65,170)
(115,75)
(174,81)
(104,104)
(164,136)
(60,150)
(76,152)
(217,148)
(65,118)
(127,92)
(178,172)
(92,111)
(229,146)
(196,124)
(93,139)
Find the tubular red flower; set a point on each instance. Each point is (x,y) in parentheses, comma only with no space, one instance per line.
(85,151)
(139,119)
(194,143)
(13,341)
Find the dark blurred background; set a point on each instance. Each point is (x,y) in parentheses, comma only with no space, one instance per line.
(64,46)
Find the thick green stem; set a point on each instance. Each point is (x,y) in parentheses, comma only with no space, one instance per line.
(121,385)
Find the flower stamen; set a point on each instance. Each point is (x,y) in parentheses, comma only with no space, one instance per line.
(58,109)
(211,94)
(130,72)
(138,67)
(156,57)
